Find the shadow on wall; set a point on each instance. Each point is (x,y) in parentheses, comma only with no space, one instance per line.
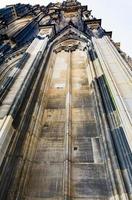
(121,146)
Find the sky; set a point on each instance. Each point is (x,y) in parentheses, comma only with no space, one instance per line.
(116,16)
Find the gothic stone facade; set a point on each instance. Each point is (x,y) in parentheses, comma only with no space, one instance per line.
(66,113)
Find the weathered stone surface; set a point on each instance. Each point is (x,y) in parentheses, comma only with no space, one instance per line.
(65,121)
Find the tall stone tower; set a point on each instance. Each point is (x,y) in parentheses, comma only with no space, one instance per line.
(66,112)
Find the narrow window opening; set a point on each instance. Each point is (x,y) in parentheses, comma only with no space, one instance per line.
(75,148)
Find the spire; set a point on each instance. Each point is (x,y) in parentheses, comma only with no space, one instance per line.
(69,3)
(71,0)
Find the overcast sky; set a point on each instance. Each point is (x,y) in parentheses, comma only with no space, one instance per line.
(116,16)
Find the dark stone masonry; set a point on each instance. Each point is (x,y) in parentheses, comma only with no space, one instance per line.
(65,106)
